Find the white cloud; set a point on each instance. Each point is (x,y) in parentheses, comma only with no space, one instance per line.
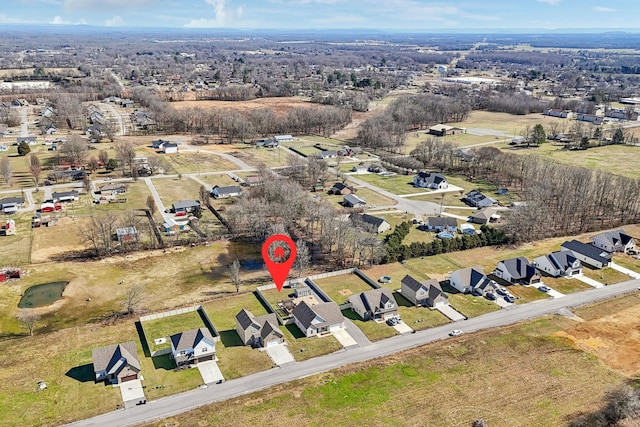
(59,20)
(603,9)
(553,2)
(115,21)
(224,16)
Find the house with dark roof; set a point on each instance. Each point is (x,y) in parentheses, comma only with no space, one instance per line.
(328,154)
(319,319)
(65,196)
(193,346)
(472,280)
(353,201)
(258,331)
(479,200)
(223,192)
(16,202)
(438,224)
(430,180)
(517,271)
(169,148)
(426,294)
(31,140)
(374,304)
(340,189)
(157,144)
(587,254)
(369,222)
(185,206)
(116,363)
(614,241)
(443,130)
(560,263)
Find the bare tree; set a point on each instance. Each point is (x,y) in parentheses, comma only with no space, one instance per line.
(35,169)
(93,164)
(103,157)
(133,299)
(6,170)
(204,195)
(75,150)
(303,258)
(125,153)
(99,231)
(29,318)
(151,204)
(234,271)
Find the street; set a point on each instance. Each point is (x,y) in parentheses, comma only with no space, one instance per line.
(179,403)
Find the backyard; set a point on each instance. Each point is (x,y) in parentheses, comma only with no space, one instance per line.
(164,327)
(340,288)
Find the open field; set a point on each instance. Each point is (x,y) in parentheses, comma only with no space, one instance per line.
(617,159)
(16,250)
(510,124)
(339,288)
(172,190)
(255,156)
(278,105)
(194,162)
(170,325)
(373,198)
(387,391)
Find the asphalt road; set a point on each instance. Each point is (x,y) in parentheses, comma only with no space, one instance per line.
(179,403)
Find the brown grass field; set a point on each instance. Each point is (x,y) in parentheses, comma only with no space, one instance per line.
(278,105)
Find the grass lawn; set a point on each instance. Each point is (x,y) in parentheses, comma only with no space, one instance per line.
(308,151)
(220,179)
(607,307)
(627,262)
(396,271)
(415,235)
(409,388)
(303,348)
(236,359)
(397,184)
(189,162)
(373,198)
(172,190)
(136,195)
(347,283)
(418,318)
(254,155)
(469,305)
(375,331)
(606,275)
(16,250)
(565,285)
(167,326)
(525,294)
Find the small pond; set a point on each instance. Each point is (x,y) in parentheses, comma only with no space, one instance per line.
(41,295)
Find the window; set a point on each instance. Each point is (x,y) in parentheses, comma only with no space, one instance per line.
(204,349)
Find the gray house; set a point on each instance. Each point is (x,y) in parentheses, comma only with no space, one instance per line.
(373,223)
(430,180)
(374,304)
(560,263)
(473,280)
(438,224)
(193,346)
(319,319)
(588,254)
(185,206)
(517,270)
(485,216)
(479,200)
(614,241)
(116,363)
(428,294)
(353,201)
(224,192)
(65,196)
(258,331)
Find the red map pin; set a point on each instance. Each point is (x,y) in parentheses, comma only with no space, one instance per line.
(279,268)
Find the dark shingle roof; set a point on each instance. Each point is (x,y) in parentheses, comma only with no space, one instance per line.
(189,339)
(328,312)
(588,251)
(112,358)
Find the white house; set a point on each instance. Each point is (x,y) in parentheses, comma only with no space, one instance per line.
(283,138)
(614,241)
(560,263)
(374,304)
(432,180)
(517,270)
(319,319)
(193,346)
(169,148)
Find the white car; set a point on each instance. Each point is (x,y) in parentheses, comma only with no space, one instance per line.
(455,333)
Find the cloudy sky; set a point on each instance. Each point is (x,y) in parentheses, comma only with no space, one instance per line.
(426,15)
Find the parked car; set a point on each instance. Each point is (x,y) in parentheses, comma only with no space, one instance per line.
(476,293)
(455,333)
(502,291)
(509,298)
(385,279)
(490,296)
(392,321)
(544,289)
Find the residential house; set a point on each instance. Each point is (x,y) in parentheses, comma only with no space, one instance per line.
(517,270)
(224,192)
(127,103)
(94,132)
(17,202)
(376,168)
(253,180)
(564,114)
(172,226)
(560,263)
(258,331)
(65,196)
(374,304)
(467,228)
(479,200)
(112,188)
(443,130)
(370,222)
(472,279)
(169,148)
(438,224)
(31,140)
(48,130)
(614,241)
(590,118)
(328,154)
(485,216)
(587,254)
(432,180)
(126,234)
(426,294)
(283,138)
(186,206)
(193,346)
(157,144)
(4,129)
(319,319)
(340,189)
(353,201)
(116,363)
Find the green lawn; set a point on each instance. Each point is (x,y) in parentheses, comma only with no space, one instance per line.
(347,283)
(397,184)
(172,190)
(16,250)
(396,271)
(254,155)
(167,326)
(373,198)
(469,305)
(304,348)
(565,285)
(375,331)
(418,318)
(525,294)
(136,195)
(627,262)
(606,275)
(189,162)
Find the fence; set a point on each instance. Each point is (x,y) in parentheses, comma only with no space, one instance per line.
(267,305)
(369,281)
(324,297)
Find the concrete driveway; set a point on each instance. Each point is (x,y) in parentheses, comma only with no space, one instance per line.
(210,372)
(502,303)
(402,328)
(552,292)
(624,270)
(280,354)
(589,281)
(344,338)
(450,312)
(132,393)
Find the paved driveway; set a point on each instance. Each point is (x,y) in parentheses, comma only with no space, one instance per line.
(280,354)
(589,281)
(502,303)
(210,372)
(344,338)
(450,312)
(132,393)
(552,292)
(624,270)
(402,328)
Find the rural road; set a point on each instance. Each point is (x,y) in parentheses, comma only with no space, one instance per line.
(179,403)
(24,122)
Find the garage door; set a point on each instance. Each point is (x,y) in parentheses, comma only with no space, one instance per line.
(272,343)
(205,358)
(129,378)
(335,327)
